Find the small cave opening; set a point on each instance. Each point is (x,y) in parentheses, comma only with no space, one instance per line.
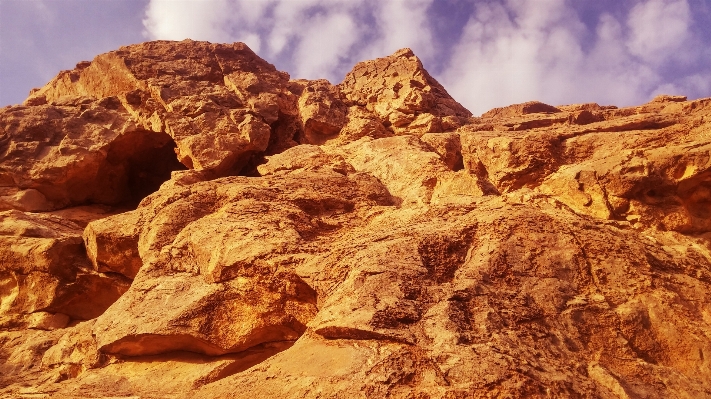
(136,165)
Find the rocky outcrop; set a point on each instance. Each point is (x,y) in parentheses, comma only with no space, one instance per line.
(215,101)
(204,286)
(179,219)
(403,95)
(55,156)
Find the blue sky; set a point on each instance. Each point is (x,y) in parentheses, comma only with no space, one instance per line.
(487,53)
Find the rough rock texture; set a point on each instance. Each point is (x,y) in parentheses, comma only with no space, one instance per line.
(405,97)
(181,220)
(45,277)
(217,114)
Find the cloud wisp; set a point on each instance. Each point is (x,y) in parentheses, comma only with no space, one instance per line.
(309,38)
(508,51)
(516,51)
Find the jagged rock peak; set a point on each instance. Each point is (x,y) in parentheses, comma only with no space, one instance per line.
(403,94)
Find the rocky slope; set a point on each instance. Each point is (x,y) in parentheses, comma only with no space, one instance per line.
(182,220)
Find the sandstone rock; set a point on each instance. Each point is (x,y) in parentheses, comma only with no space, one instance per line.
(531,107)
(112,244)
(204,287)
(74,352)
(448,146)
(479,295)
(54,157)
(360,123)
(305,158)
(47,321)
(29,200)
(536,251)
(20,358)
(216,102)
(322,112)
(83,215)
(460,188)
(511,162)
(400,91)
(592,107)
(404,164)
(664,98)
(72,361)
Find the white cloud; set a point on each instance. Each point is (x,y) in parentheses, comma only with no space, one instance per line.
(658,28)
(319,54)
(400,23)
(313,38)
(519,50)
(183,19)
(516,52)
(509,50)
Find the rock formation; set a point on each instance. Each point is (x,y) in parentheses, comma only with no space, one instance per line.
(182,220)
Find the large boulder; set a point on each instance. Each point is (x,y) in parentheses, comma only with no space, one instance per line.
(204,286)
(54,156)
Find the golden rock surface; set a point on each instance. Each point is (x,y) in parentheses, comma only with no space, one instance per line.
(182,220)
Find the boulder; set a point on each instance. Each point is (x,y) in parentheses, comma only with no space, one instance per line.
(60,156)
(204,286)
(448,146)
(322,111)
(406,166)
(531,107)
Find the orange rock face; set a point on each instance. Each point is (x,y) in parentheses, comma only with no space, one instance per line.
(401,92)
(182,220)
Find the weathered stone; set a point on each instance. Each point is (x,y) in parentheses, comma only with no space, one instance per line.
(43,269)
(536,251)
(322,112)
(54,157)
(407,167)
(216,101)
(204,286)
(400,91)
(531,107)
(448,146)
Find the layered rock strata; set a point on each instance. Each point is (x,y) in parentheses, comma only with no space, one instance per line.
(182,220)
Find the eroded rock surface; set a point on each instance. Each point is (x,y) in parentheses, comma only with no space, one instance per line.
(182,220)
(402,93)
(45,278)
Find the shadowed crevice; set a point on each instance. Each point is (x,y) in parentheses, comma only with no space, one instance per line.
(136,164)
